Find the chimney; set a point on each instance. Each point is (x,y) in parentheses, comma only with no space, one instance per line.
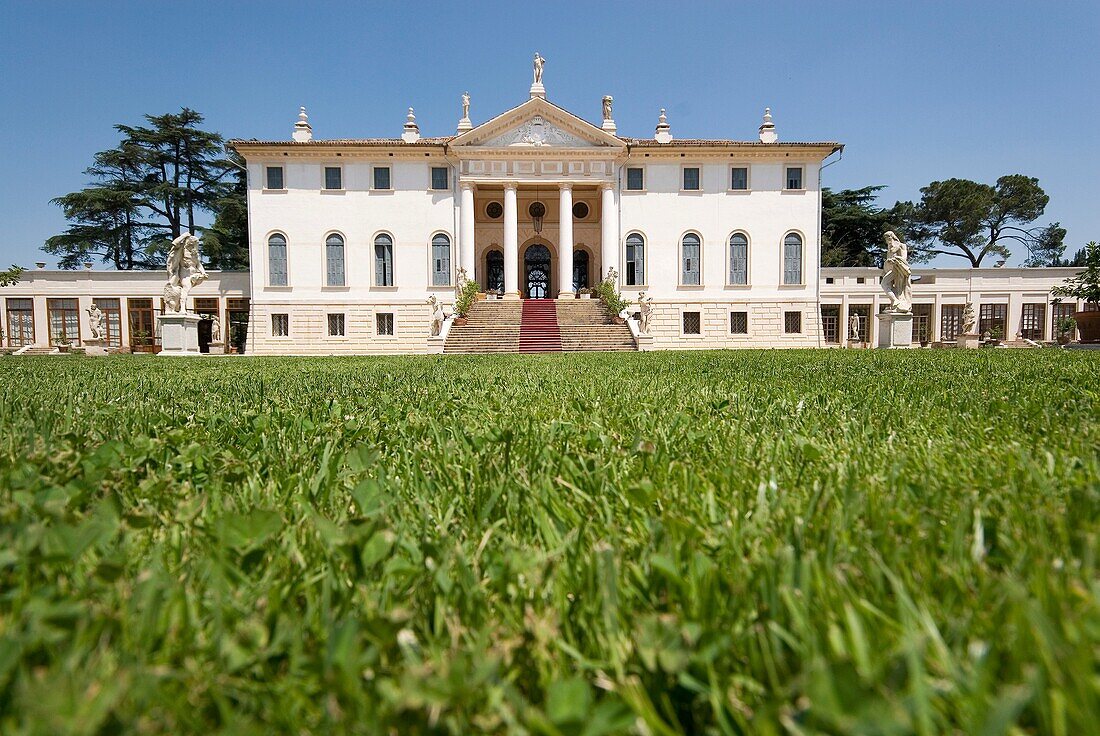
(767,128)
(663,132)
(412,130)
(303,132)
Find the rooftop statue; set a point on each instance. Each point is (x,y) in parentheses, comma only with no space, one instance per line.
(185,272)
(465,105)
(607,100)
(539,61)
(897,281)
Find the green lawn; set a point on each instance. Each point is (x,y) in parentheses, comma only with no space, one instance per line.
(738,542)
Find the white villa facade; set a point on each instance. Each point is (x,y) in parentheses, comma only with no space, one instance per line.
(349,238)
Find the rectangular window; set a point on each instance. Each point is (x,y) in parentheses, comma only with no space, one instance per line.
(1032,321)
(635,179)
(692,323)
(691,178)
(64,321)
(142,319)
(739,178)
(334,177)
(794,177)
(439,178)
(1059,314)
(993,318)
(830,323)
(950,321)
(381,177)
(384,323)
(20,322)
(739,323)
(829,279)
(860,279)
(280,325)
(792,323)
(112,320)
(336,325)
(922,323)
(274,177)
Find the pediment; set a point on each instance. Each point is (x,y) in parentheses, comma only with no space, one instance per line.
(537,124)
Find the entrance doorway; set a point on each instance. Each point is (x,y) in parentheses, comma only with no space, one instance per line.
(536,272)
(494,271)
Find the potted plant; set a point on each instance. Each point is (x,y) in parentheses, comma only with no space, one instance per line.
(584,294)
(139,342)
(1064,329)
(995,335)
(1086,287)
(467,295)
(64,345)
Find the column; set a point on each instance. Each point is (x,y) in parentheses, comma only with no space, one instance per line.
(565,244)
(511,242)
(609,231)
(467,252)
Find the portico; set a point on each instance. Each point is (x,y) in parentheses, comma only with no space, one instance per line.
(538,175)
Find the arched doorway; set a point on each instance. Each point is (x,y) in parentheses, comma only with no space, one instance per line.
(536,272)
(494,271)
(580,269)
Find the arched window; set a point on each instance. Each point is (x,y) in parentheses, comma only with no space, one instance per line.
(580,269)
(792,259)
(441,260)
(635,260)
(383,260)
(739,260)
(689,260)
(276,260)
(334,261)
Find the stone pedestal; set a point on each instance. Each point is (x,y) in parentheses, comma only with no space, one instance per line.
(179,334)
(93,346)
(537,90)
(968,341)
(895,330)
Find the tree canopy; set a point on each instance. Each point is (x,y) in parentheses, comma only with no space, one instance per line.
(11,276)
(852,226)
(971,220)
(148,190)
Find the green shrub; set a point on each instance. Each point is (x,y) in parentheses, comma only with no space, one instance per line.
(467,295)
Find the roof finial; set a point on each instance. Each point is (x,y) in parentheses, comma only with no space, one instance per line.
(303,132)
(663,132)
(412,130)
(537,90)
(767,128)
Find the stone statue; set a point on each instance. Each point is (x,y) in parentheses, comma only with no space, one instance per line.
(95,322)
(607,100)
(460,281)
(437,316)
(539,61)
(897,281)
(215,329)
(853,328)
(185,272)
(465,105)
(969,319)
(645,312)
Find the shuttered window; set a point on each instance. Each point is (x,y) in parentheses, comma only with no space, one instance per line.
(334,261)
(792,259)
(383,260)
(689,259)
(276,260)
(739,259)
(441,260)
(635,260)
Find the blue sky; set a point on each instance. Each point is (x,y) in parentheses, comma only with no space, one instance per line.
(918,91)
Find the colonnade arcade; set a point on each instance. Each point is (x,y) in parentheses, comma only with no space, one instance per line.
(537,239)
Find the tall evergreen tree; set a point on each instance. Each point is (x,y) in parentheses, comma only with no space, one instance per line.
(852,226)
(147,191)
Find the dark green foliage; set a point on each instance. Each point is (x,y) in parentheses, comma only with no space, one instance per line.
(150,189)
(964,218)
(1086,284)
(11,276)
(803,542)
(852,226)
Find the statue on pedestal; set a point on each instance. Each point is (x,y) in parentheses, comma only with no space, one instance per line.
(539,61)
(465,105)
(185,272)
(95,323)
(645,312)
(607,100)
(438,317)
(854,333)
(897,281)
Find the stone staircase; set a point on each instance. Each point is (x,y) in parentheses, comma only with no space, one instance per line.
(500,326)
(38,350)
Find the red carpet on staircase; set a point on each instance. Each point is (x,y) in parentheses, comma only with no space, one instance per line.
(538,331)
